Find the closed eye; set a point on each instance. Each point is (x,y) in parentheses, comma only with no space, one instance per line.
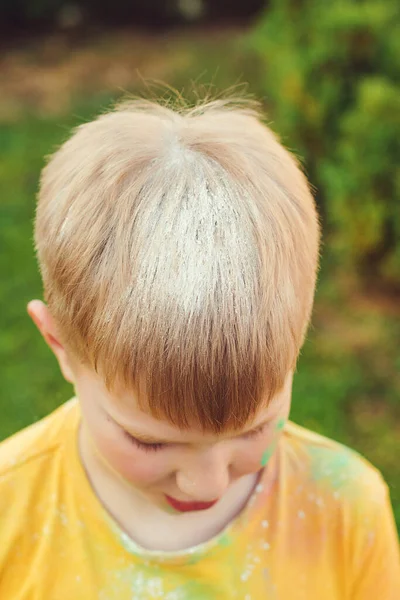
(147,447)
(156,446)
(254,432)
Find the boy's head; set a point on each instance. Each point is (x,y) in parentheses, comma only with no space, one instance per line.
(178,251)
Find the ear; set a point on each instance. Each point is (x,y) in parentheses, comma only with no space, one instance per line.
(43,320)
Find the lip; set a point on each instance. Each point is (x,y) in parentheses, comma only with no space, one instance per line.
(189,506)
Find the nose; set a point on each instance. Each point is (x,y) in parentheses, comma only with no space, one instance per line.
(205,478)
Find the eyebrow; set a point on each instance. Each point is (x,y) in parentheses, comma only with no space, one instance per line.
(148,439)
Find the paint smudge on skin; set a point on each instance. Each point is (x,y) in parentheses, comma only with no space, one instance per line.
(280,424)
(269,451)
(266,456)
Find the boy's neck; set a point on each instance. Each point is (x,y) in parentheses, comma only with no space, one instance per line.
(150,526)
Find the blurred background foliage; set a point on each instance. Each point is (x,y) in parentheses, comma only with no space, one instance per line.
(334,91)
(328,76)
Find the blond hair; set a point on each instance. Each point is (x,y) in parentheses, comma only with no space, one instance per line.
(179,248)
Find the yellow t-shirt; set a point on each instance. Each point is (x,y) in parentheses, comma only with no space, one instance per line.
(325,531)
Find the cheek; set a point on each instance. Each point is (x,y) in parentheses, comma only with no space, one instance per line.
(248,457)
(138,467)
(254,454)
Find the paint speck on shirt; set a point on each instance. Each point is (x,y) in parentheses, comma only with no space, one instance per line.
(266,546)
(265,524)
(63,518)
(225,540)
(301,514)
(371,538)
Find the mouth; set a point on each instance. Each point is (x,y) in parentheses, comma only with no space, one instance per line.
(189,506)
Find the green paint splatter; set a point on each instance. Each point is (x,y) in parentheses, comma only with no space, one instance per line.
(339,466)
(194,590)
(266,456)
(225,540)
(280,424)
(194,558)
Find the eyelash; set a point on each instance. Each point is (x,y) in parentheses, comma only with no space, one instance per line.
(254,433)
(160,446)
(142,445)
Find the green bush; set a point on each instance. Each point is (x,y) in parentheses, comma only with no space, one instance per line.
(329,72)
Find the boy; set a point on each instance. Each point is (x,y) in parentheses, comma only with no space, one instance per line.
(178,251)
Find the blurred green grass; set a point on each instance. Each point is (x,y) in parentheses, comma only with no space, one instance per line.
(347,385)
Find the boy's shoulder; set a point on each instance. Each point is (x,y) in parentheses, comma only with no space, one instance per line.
(331,466)
(38,441)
